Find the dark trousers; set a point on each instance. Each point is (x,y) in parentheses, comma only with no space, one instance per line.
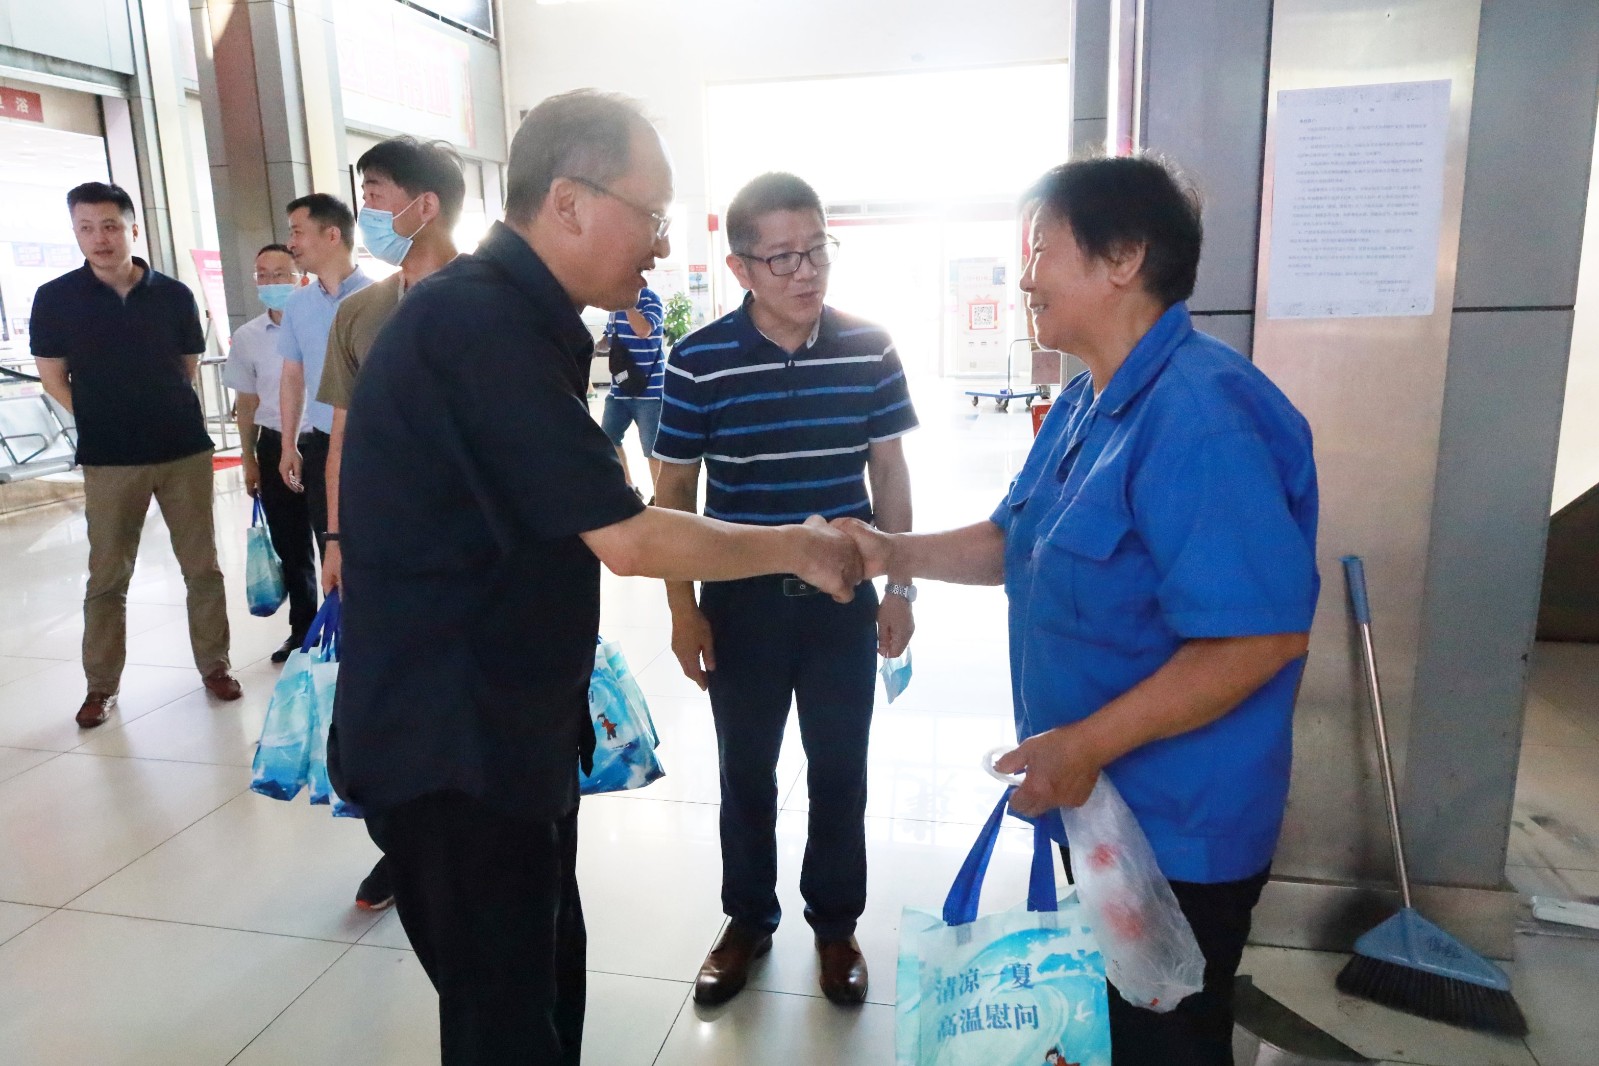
(314,476)
(1200,1031)
(772,650)
(289,522)
(490,903)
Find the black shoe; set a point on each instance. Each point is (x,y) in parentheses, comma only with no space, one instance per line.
(288,648)
(377,891)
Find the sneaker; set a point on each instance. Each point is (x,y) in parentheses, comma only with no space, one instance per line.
(377,891)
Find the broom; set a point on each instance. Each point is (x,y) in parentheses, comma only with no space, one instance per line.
(1407,962)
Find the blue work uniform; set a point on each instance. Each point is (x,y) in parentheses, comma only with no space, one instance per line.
(1178,504)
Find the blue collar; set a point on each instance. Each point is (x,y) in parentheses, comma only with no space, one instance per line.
(1147,359)
(750,335)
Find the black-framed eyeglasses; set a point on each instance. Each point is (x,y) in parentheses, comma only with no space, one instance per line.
(786,263)
(662,222)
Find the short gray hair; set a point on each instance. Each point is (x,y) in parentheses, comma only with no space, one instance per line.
(584,133)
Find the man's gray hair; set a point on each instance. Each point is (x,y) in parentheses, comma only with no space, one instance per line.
(584,133)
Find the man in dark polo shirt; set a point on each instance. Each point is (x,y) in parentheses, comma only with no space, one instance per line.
(117,344)
(791,406)
(478,501)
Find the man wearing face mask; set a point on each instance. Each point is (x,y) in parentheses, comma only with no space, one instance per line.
(411,195)
(254,371)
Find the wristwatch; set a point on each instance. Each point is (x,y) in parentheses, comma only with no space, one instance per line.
(907,592)
(329,537)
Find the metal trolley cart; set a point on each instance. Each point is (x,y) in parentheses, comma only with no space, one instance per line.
(1002,397)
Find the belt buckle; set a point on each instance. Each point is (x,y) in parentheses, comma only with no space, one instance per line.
(793,586)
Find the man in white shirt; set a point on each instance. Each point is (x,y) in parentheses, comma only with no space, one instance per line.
(254,371)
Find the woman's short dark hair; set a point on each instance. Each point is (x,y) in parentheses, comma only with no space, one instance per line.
(774,191)
(1117,203)
(418,167)
(585,133)
(99,192)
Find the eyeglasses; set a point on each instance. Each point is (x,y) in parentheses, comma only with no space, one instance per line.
(662,222)
(276,277)
(786,263)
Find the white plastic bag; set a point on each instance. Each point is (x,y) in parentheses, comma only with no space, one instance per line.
(1151,956)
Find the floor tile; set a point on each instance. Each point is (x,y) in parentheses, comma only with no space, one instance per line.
(57,633)
(387,932)
(1555,822)
(257,864)
(195,727)
(14,666)
(1548,725)
(1561,884)
(373,1007)
(14,761)
(160,994)
(1303,982)
(79,819)
(15,917)
(37,711)
(251,639)
(1556,979)
(762,1027)
(650,872)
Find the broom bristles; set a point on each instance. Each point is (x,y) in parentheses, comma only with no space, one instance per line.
(1429,995)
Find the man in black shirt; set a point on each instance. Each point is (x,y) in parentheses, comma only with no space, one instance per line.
(117,344)
(477,503)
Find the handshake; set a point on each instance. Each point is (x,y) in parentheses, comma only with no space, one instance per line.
(836,556)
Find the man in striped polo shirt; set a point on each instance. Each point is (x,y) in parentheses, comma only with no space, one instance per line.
(791,406)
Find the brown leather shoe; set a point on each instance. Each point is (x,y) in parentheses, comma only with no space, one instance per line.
(843,971)
(727,967)
(95,710)
(222,684)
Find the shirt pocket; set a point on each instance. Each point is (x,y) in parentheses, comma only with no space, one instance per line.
(1094,573)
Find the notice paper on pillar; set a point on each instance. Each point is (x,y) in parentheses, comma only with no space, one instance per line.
(1357,199)
(208,265)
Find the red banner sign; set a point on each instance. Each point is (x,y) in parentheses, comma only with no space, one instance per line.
(20,104)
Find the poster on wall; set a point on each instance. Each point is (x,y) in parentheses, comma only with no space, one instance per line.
(398,72)
(208,265)
(1357,199)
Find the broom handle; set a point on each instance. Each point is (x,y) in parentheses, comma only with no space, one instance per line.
(1355,575)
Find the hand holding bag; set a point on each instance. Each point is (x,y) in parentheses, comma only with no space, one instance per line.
(263,570)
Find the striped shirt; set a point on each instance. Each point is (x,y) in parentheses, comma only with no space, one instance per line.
(783,436)
(646,351)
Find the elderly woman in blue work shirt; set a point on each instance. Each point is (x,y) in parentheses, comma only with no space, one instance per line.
(1158,552)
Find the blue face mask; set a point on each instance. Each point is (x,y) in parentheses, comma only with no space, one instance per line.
(275,296)
(377,233)
(896,674)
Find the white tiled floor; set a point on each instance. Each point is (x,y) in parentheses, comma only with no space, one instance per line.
(152,910)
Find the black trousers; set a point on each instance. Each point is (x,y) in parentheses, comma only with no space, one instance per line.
(490,903)
(773,650)
(314,476)
(1200,1031)
(289,523)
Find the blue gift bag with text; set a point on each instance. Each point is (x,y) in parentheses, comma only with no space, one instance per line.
(1022,987)
(263,570)
(624,735)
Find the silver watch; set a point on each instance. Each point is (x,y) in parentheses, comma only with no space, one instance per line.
(908,592)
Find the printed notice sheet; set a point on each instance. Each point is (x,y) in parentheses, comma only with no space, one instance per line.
(1357,196)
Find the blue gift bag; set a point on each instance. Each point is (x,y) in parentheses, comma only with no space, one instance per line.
(624,734)
(292,752)
(1022,986)
(263,570)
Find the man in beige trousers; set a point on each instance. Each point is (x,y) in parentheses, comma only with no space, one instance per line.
(117,344)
